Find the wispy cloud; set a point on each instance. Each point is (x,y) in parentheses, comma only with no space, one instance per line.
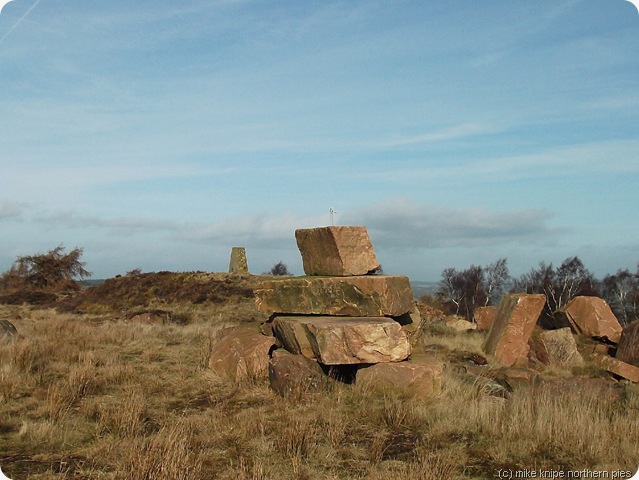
(402,223)
(10,210)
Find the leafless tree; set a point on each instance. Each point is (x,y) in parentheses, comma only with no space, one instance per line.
(52,271)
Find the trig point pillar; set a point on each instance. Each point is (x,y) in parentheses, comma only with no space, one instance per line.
(238,260)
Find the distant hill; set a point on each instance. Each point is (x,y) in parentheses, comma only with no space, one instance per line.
(420,288)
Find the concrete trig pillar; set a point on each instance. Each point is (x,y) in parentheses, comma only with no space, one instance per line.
(238,262)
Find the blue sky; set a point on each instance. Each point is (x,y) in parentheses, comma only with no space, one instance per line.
(158,135)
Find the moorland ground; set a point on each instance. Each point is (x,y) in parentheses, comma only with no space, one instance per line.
(88,392)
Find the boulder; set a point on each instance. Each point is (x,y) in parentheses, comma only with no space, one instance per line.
(484,317)
(628,348)
(343,340)
(7,330)
(291,375)
(592,317)
(460,324)
(241,353)
(556,347)
(616,366)
(406,378)
(366,296)
(238,263)
(336,251)
(515,321)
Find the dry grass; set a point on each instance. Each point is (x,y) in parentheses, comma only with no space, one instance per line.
(86,396)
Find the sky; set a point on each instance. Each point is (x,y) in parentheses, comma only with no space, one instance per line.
(158,135)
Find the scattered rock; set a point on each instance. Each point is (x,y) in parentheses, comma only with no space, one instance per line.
(407,378)
(336,251)
(238,263)
(616,366)
(515,320)
(241,352)
(343,340)
(460,324)
(366,296)
(484,317)
(556,347)
(292,375)
(592,317)
(628,348)
(7,330)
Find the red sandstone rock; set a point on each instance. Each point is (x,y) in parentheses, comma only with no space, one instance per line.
(343,340)
(336,251)
(556,347)
(406,378)
(592,317)
(484,317)
(616,366)
(370,295)
(291,375)
(242,352)
(515,320)
(628,348)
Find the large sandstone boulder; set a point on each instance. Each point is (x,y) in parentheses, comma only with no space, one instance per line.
(370,295)
(336,251)
(484,317)
(241,352)
(343,340)
(406,378)
(616,366)
(514,322)
(460,324)
(628,348)
(295,374)
(556,347)
(592,317)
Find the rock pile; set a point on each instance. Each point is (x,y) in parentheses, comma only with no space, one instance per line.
(341,314)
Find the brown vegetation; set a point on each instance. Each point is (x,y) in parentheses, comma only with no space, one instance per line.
(94,396)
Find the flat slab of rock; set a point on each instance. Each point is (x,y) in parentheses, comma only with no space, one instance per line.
(291,374)
(241,352)
(616,366)
(406,378)
(556,347)
(628,348)
(484,317)
(592,317)
(366,296)
(336,251)
(343,340)
(515,321)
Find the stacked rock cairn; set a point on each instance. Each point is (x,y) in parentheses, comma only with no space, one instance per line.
(342,317)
